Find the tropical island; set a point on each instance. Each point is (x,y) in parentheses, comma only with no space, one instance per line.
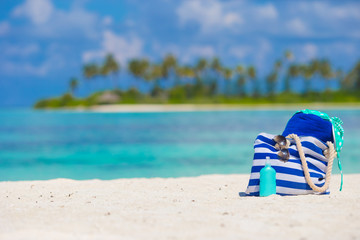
(208,81)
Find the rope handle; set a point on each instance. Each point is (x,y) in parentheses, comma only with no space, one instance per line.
(331,156)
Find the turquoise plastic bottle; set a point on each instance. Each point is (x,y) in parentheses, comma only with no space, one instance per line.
(267,179)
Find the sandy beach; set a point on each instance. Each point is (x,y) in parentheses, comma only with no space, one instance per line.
(211,107)
(205,207)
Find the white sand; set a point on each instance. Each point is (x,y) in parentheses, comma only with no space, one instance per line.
(213,107)
(206,207)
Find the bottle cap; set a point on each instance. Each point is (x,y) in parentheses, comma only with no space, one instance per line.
(267,162)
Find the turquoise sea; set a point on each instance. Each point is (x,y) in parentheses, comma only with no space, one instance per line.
(38,145)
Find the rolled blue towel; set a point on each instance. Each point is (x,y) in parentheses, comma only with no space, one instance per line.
(304,124)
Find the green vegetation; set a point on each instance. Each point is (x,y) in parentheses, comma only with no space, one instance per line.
(210,82)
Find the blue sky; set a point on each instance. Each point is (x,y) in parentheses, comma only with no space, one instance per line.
(43,43)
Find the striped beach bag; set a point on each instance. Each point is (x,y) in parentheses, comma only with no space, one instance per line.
(302,156)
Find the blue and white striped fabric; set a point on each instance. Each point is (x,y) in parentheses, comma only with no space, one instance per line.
(290,179)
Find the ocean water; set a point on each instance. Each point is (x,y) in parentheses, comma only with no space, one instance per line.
(36,145)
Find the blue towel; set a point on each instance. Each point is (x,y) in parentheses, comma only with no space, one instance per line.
(309,125)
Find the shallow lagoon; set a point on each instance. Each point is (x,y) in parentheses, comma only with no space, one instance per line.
(48,144)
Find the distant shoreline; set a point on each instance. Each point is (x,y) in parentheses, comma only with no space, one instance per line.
(133,108)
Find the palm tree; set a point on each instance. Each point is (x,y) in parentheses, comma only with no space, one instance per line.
(110,67)
(326,72)
(251,71)
(228,74)
(292,73)
(90,71)
(289,56)
(352,79)
(200,67)
(315,66)
(272,78)
(216,67)
(199,70)
(139,68)
(307,71)
(271,82)
(169,64)
(155,74)
(356,70)
(186,72)
(278,65)
(241,79)
(339,75)
(73,85)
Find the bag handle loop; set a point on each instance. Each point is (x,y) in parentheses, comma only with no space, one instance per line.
(331,156)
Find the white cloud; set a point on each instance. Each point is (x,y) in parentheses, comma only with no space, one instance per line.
(209,14)
(304,18)
(107,20)
(24,68)
(261,51)
(76,21)
(197,51)
(21,60)
(185,54)
(323,18)
(203,51)
(240,52)
(4,28)
(266,12)
(22,51)
(297,26)
(334,12)
(123,48)
(48,21)
(129,23)
(215,15)
(340,49)
(231,19)
(162,50)
(309,51)
(257,51)
(38,11)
